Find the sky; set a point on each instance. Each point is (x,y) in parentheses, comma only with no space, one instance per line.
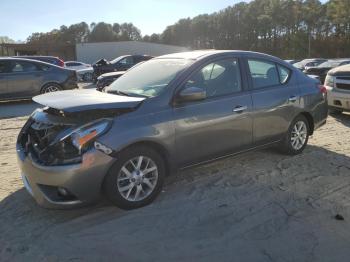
(20,18)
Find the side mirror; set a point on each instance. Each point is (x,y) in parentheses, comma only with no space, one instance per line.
(189,94)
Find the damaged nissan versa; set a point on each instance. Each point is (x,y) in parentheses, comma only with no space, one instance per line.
(171,112)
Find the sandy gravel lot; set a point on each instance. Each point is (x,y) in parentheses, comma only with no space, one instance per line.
(261,206)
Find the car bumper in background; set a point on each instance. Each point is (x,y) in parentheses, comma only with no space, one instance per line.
(82,182)
(339,99)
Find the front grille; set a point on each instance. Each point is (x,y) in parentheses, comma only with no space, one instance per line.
(38,139)
(343,86)
(343,77)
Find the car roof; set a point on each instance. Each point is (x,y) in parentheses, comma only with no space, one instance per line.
(200,54)
(35,56)
(27,60)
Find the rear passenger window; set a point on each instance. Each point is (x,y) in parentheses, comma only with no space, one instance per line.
(284,73)
(263,73)
(19,66)
(3,67)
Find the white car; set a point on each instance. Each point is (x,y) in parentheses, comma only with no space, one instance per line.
(75,65)
(84,71)
(338,89)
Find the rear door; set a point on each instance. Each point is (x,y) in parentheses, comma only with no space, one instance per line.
(4,66)
(275,95)
(24,79)
(220,124)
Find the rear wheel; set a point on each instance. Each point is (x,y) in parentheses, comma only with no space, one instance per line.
(136,178)
(88,77)
(297,136)
(51,87)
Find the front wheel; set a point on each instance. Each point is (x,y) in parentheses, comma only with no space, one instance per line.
(136,178)
(50,87)
(297,136)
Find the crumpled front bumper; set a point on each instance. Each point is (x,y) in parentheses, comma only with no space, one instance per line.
(83,180)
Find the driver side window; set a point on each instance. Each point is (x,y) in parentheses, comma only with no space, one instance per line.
(219,78)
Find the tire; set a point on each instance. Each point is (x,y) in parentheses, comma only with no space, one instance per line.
(50,87)
(126,186)
(294,143)
(335,111)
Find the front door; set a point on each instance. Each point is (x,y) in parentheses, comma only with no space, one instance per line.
(220,124)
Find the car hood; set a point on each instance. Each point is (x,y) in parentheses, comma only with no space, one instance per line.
(340,70)
(72,101)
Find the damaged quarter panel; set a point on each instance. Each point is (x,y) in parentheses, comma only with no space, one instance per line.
(311,100)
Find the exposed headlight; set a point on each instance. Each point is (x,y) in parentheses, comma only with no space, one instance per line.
(329,81)
(84,135)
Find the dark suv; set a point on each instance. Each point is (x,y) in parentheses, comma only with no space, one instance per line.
(121,63)
(171,112)
(24,78)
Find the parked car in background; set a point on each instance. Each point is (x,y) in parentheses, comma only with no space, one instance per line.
(47,59)
(107,79)
(309,62)
(338,85)
(121,63)
(25,78)
(84,71)
(322,69)
(292,61)
(75,65)
(170,112)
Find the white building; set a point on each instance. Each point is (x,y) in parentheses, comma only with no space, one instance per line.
(91,52)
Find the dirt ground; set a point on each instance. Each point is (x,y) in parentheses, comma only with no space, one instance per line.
(260,206)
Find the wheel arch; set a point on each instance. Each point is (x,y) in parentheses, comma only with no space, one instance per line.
(310,121)
(50,82)
(159,148)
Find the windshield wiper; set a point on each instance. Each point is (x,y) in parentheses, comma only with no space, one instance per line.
(117,92)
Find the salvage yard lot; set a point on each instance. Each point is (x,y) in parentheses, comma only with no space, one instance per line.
(261,206)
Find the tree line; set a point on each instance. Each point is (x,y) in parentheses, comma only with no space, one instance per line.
(285,28)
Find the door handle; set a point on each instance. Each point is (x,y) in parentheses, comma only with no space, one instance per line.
(292,99)
(239,109)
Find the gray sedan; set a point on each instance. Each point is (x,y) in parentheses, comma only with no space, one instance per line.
(171,112)
(25,78)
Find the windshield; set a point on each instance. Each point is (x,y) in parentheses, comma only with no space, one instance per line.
(149,78)
(116,60)
(330,64)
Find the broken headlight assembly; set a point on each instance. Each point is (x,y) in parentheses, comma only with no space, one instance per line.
(83,137)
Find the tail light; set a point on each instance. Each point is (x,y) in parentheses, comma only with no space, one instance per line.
(323,90)
(60,62)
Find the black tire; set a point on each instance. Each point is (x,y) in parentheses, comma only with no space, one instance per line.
(50,87)
(110,186)
(335,111)
(286,146)
(88,77)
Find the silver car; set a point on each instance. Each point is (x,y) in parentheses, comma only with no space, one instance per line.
(170,112)
(24,78)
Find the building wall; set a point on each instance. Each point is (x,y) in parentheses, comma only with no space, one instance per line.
(91,52)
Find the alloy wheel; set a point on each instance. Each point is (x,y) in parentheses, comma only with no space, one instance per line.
(137,178)
(299,135)
(51,88)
